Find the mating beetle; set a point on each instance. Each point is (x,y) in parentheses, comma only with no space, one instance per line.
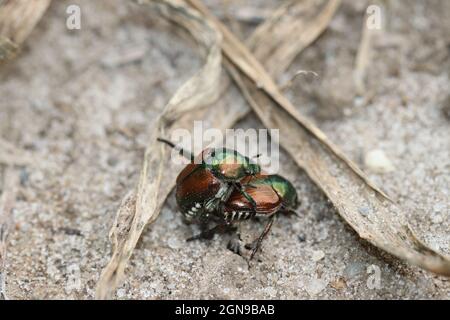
(209,180)
(271,193)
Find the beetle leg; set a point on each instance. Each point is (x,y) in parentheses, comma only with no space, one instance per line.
(292,212)
(211,204)
(181,151)
(246,195)
(221,197)
(256,245)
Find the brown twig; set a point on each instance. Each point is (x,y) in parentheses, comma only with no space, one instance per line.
(364,56)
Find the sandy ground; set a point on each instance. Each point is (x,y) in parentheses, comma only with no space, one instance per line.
(84,101)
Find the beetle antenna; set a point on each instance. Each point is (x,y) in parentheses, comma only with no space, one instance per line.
(181,151)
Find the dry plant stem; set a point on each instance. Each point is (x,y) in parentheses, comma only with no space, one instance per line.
(248,14)
(362,60)
(7,200)
(290,82)
(143,205)
(367,209)
(364,56)
(223,114)
(17,20)
(312,17)
(248,65)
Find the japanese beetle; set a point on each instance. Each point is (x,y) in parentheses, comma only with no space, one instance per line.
(272,194)
(209,180)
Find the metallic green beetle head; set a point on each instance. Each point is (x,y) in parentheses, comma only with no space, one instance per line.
(282,187)
(228,164)
(285,190)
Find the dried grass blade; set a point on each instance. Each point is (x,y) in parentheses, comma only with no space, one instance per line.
(142,206)
(17,20)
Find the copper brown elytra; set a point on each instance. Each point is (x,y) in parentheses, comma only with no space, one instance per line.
(222,186)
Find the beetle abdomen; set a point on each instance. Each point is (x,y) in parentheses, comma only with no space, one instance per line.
(195,185)
(238,207)
(238,215)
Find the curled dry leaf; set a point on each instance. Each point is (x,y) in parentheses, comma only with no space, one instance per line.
(223,114)
(17,19)
(365,207)
(142,206)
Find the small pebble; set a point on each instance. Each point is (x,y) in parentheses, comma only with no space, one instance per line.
(121,293)
(174,243)
(377,161)
(112,161)
(353,270)
(24,176)
(318,255)
(315,286)
(364,211)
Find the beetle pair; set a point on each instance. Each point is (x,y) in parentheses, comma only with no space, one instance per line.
(221,185)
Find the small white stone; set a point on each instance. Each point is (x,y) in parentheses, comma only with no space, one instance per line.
(121,293)
(174,243)
(171,286)
(318,255)
(377,161)
(315,286)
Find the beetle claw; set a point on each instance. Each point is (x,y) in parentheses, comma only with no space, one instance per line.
(256,245)
(250,246)
(293,212)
